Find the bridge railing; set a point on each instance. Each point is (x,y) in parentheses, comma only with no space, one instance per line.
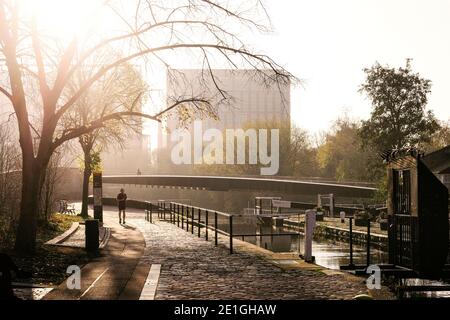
(189,218)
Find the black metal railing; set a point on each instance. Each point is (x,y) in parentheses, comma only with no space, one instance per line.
(189,218)
(368,235)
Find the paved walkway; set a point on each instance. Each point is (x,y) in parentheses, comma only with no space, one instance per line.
(113,275)
(192,268)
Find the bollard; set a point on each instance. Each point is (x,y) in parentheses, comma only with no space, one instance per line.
(342,214)
(231,234)
(92,242)
(310,224)
(206,224)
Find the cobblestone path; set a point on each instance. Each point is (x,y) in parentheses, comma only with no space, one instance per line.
(193,268)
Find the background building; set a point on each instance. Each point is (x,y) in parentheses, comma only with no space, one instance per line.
(252,102)
(439,163)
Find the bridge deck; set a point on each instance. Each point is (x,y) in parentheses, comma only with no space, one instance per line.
(220,183)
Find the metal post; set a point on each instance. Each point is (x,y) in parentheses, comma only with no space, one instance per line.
(151,212)
(164,211)
(351,241)
(215,228)
(178,215)
(231,234)
(182,217)
(192,220)
(332,205)
(368,242)
(172,211)
(199,221)
(206,224)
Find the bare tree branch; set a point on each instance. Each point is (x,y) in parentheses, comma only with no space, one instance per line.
(261,58)
(6,93)
(42,77)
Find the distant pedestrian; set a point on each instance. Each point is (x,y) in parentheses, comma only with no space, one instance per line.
(139,172)
(122,204)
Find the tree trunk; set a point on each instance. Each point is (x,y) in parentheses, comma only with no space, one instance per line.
(86,177)
(32,174)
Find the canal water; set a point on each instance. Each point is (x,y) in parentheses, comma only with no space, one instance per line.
(328,253)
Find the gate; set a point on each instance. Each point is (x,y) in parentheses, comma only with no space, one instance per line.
(403,240)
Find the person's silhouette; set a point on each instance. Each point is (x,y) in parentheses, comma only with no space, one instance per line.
(6,266)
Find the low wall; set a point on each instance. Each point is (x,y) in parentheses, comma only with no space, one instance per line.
(135,204)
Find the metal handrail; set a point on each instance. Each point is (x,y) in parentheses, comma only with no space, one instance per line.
(191,215)
(204,209)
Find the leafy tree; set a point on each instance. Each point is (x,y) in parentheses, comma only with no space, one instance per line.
(399,98)
(297,157)
(38,64)
(439,139)
(341,156)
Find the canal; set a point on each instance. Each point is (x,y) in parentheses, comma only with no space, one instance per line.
(329,253)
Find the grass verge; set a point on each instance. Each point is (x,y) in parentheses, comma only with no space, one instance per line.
(49,263)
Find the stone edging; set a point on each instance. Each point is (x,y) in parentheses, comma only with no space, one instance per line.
(62,237)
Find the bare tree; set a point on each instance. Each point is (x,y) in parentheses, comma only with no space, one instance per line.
(156,30)
(121,89)
(52,177)
(9,181)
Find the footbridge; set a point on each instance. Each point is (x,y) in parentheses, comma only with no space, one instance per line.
(223,183)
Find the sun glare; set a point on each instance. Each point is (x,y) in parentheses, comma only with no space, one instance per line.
(64,18)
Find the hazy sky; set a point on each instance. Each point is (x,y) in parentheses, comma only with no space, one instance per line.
(327,43)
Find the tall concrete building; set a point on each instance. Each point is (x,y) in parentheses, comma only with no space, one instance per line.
(252,102)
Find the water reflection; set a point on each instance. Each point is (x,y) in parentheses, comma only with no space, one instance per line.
(328,253)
